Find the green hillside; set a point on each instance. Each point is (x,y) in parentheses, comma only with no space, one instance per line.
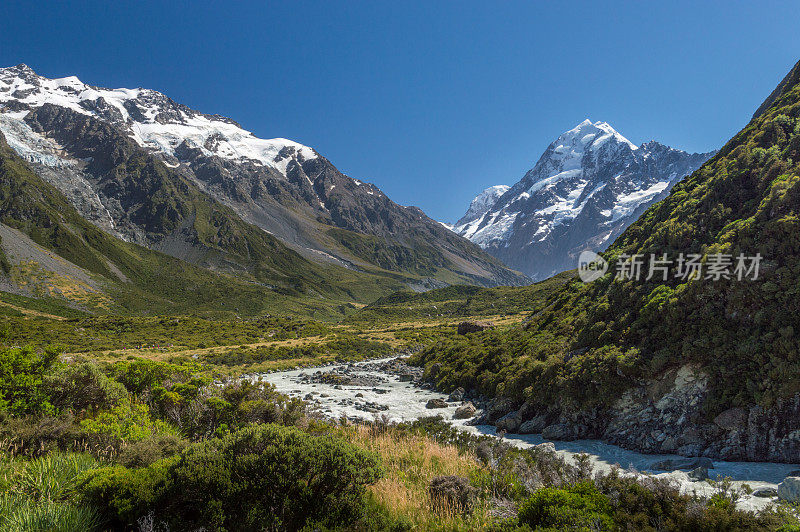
(127,278)
(594,340)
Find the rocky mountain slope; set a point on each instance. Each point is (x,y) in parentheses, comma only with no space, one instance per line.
(151,171)
(695,364)
(588,186)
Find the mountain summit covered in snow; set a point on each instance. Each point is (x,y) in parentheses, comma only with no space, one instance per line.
(586,188)
(157,173)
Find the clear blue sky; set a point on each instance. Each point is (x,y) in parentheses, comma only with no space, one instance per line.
(432,101)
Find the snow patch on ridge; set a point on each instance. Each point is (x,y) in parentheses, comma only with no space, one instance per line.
(151,118)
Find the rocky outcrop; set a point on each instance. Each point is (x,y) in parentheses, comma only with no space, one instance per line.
(456,396)
(789,489)
(665,415)
(466,327)
(436,403)
(465,411)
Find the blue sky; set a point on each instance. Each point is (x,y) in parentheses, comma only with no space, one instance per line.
(432,101)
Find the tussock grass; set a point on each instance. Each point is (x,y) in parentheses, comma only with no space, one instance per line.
(411,462)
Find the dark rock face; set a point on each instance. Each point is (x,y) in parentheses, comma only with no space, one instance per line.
(465,411)
(436,403)
(466,327)
(666,415)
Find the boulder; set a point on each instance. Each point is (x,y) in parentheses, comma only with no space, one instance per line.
(546,447)
(508,423)
(732,419)
(699,473)
(457,395)
(466,327)
(789,489)
(465,411)
(765,492)
(436,403)
(406,377)
(687,463)
(499,408)
(563,431)
(434,370)
(534,425)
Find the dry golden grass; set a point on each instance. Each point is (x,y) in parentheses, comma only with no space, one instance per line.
(411,462)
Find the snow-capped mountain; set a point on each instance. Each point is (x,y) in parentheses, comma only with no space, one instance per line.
(482,203)
(587,187)
(94,143)
(151,119)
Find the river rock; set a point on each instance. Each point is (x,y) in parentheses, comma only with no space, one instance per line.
(563,431)
(732,419)
(687,463)
(789,489)
(546,447)
(457,395)
(499,408)
(534,425)
(466,327)
(699,473)
(508,423)
(465,411)
(765,492)
(436,403)
(406,377)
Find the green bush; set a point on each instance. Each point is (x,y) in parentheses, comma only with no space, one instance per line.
(83,386)
(22,386)
(261,477)
(578,507)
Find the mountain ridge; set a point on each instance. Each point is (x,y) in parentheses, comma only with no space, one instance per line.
(282,187)
(588,185)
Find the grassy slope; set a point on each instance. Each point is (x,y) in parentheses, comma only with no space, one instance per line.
(159,283)
(592,341)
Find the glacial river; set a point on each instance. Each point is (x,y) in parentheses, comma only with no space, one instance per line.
(403,401)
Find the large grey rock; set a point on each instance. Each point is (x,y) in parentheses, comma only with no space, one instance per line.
(789,489)
(499,408)
(466,327)
(457,395)
(732,419)
(436,403)
(765,492)
(563,431)
(687,463)
(698,474)
(534,425)
(465,411)
(508,423)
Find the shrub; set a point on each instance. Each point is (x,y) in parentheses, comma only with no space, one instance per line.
(22,387)
(261,477)
(84,387)
(126,423)
(580,506)
(452,493)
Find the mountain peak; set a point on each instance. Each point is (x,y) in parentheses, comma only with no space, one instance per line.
(151,118)
(593,134)
(483,202)
(584,190)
